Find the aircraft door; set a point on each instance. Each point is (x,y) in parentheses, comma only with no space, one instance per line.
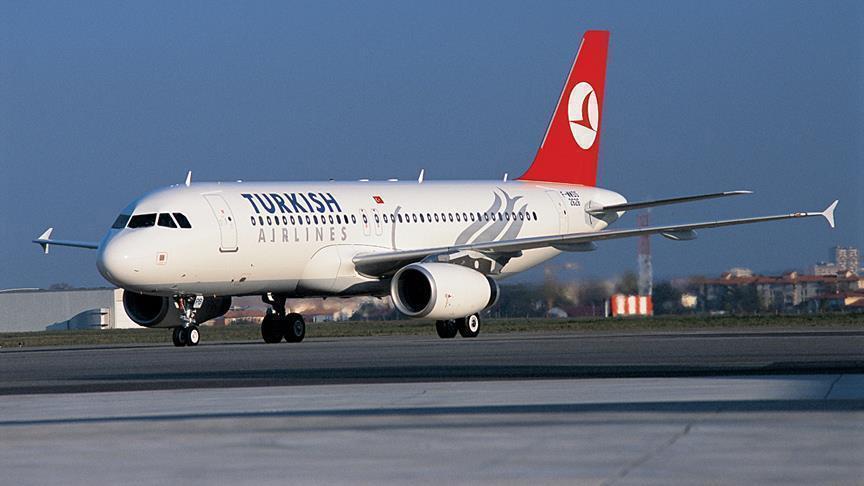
(558,202)
(376,218)
(225,220)
(364,218)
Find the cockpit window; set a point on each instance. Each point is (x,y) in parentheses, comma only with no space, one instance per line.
(166,221)
(182,221)
(121,221)
(142,220)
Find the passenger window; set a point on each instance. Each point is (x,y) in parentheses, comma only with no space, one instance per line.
(182,221)
(142,220)
(414,217)
(436,217)
(458,218)
(472,217)
(464,217)
(450,217)
(421,218)
(166,221)
(485,216)
(121,221)
(292,219)
(353,219)
(534,215)
(253,220)
(429,217)
(400,217)
(330,218)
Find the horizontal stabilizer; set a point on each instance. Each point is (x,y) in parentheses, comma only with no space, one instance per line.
(597,210)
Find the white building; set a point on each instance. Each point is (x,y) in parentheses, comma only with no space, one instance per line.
(40,310)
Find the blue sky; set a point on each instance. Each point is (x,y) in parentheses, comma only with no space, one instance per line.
(102,101)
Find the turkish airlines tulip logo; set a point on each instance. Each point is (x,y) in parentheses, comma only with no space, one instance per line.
(583,114)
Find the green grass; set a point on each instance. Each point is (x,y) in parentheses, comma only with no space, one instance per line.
(239,333)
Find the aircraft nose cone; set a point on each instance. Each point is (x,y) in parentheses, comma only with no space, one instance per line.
(117,264)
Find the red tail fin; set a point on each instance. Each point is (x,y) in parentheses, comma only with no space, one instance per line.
(569,149)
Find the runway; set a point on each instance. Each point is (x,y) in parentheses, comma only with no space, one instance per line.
(720,408)
(404,359)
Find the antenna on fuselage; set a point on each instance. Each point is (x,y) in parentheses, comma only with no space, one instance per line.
(420,179)
(188,178)
(505,176)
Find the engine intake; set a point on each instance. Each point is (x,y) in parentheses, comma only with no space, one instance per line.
(441,291)
(156,311)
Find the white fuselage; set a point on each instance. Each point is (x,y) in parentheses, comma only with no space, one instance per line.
(299,238)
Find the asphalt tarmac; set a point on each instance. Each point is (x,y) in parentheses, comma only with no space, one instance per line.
(683,408)
(405,359)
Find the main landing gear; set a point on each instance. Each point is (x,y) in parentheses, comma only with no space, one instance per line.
(468,327)
(189,334)
(278,325)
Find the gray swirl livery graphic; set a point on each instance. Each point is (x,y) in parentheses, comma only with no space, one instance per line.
(497,227)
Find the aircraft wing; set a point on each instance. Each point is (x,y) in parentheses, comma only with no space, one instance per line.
(45,239)
(382,264)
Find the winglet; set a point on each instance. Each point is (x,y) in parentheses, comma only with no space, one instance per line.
(829,212)
(44,238)
(188,178)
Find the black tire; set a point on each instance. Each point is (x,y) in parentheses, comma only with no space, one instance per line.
(177,337)
(294,327)
(191,336)
(271,329)
(446,329)
(469,327)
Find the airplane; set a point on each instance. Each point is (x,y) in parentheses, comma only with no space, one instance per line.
(437,248)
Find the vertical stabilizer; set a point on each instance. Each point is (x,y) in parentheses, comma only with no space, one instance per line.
(571,145)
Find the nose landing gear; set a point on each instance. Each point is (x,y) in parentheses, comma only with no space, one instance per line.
(186,336)
(189,334)
(277,324)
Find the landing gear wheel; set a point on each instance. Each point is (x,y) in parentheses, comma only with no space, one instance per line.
(191,335)
(271,329)
(177,337)
(446,329)
(469,327)
(294,327)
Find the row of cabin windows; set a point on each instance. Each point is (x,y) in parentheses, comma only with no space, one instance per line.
(392,217)
(166,220)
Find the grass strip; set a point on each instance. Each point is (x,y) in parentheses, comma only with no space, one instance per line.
(246,332)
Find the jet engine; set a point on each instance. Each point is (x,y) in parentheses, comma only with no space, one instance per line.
(441,291)
(156,311)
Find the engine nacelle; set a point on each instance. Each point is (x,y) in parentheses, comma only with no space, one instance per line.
(155,311)
(441,291)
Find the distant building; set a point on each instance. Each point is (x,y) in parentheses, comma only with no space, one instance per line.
(790,292)
(54,310)
(845,259)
